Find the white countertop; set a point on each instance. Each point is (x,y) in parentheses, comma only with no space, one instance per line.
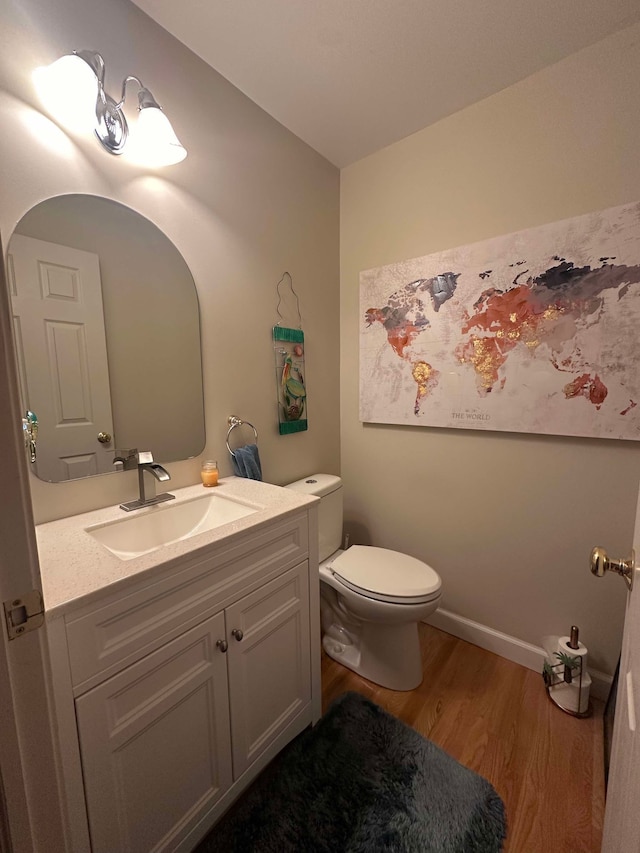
(75,568)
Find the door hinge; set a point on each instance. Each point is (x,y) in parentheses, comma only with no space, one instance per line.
(24,614)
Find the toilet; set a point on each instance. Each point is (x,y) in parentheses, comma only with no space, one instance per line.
(371,598)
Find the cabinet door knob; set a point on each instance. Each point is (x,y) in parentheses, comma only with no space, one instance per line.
(237,633)
(222,645)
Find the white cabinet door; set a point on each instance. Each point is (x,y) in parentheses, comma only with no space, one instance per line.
(269,663)
(155,744)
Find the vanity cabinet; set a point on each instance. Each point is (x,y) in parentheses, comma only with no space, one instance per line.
(162,741)
(186,685)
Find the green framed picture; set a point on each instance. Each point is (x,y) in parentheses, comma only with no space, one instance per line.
(288,345)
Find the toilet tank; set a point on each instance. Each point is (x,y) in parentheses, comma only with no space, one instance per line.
(328,488)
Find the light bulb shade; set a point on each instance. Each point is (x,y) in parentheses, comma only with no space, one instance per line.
(153,141)
(69,90)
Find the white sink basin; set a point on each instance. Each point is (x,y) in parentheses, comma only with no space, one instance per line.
(135,535)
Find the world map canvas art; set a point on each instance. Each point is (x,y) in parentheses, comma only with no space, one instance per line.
(536,331)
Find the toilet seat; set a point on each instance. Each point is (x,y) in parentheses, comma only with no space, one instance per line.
(386,575)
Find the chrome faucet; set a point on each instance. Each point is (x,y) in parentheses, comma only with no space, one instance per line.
(148,472)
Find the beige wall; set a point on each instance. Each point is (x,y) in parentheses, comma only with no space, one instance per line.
(508,520)
(250,201)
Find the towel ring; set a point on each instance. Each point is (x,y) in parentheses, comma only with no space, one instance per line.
(234,422)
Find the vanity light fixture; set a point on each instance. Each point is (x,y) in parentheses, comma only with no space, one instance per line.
(72,89)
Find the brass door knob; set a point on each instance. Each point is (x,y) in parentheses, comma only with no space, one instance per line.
(601,563)
(104,437)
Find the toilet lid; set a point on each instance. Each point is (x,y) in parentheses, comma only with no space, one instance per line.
(386,575)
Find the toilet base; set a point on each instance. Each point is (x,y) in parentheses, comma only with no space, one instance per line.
(388,655)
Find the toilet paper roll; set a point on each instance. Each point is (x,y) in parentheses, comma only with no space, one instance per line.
(572,697)
(581,652)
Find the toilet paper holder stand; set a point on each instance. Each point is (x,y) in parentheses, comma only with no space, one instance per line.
(566,677)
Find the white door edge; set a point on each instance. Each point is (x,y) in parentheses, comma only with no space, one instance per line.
(27,753)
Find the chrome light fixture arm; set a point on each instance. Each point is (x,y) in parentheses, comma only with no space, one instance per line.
(145,98)
(111,127)
(127,79)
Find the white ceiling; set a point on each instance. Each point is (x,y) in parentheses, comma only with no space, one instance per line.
(352,76)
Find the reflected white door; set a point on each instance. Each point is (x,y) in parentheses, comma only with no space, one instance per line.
(56,296)
(622,815)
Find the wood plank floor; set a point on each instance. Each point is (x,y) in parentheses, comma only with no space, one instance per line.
(495,717)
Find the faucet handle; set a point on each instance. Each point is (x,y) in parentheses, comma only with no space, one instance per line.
(145,457)
(127,459)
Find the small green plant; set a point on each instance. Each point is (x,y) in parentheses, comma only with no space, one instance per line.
(547,673)
(570,663)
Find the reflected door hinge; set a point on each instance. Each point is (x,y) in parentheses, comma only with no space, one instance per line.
(24,614)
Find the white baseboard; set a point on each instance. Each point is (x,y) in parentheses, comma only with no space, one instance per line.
(507,647)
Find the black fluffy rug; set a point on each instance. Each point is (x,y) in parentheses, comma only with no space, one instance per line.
(362,781)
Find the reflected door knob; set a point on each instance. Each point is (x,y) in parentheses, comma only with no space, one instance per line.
(104,437)
(601,563)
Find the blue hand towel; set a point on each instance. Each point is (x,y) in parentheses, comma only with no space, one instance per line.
(246,462)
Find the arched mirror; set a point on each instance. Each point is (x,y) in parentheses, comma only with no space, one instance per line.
(107,331)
